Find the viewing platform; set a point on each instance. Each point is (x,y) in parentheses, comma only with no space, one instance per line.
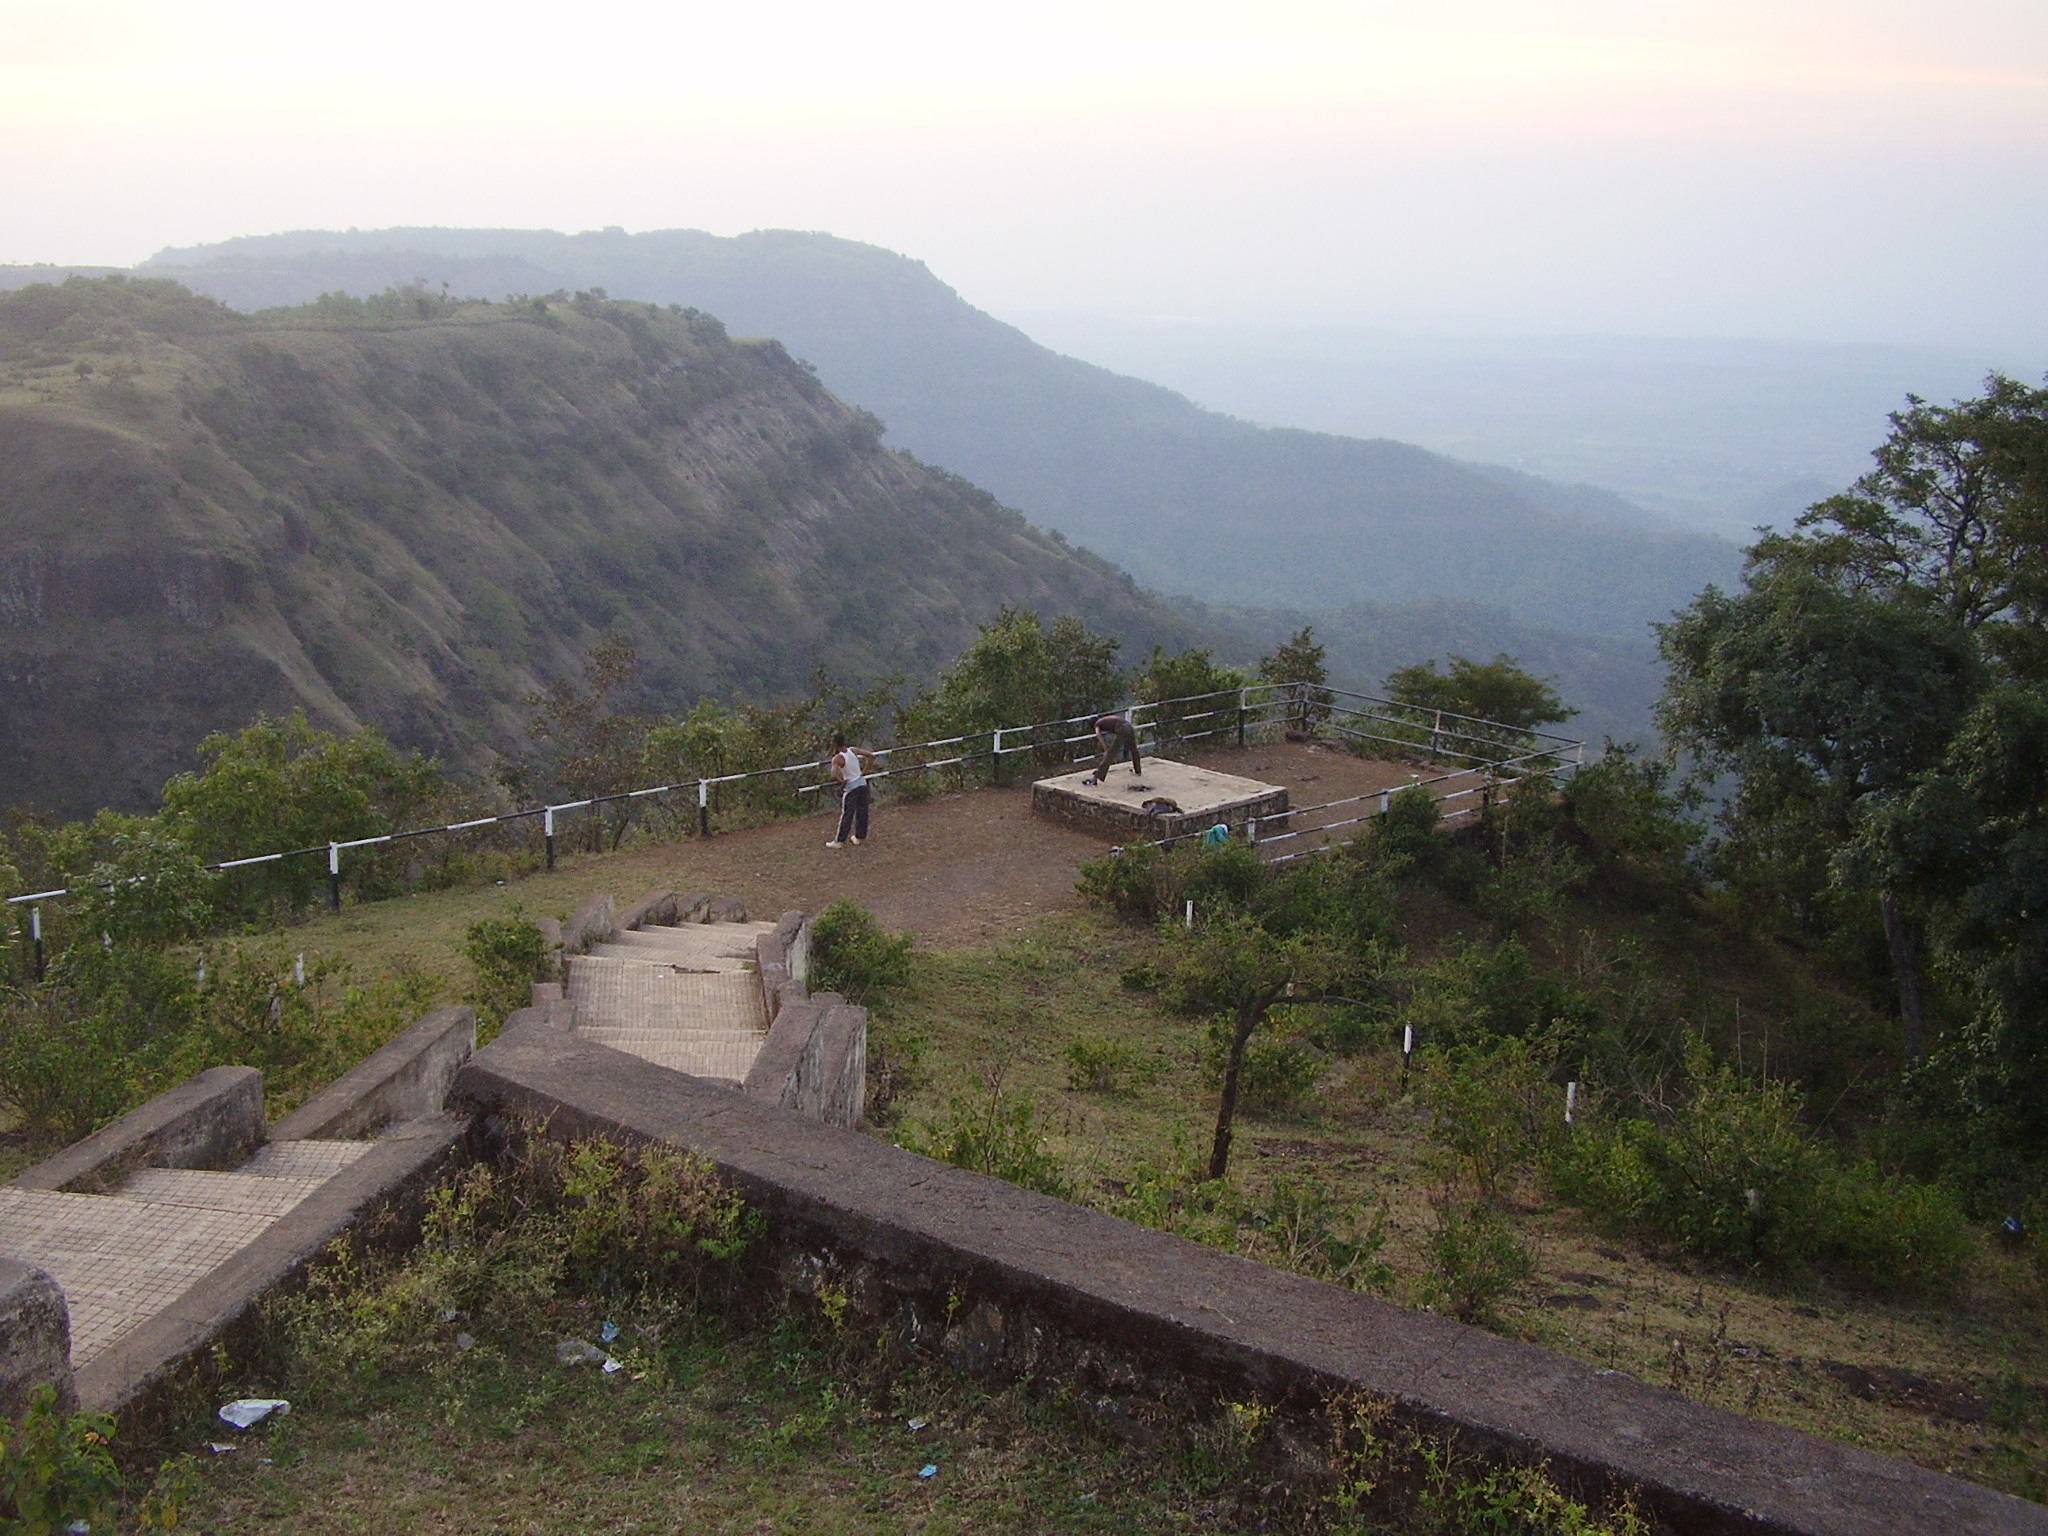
(1168,799)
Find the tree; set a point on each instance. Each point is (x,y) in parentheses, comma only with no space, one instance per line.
(592,747)
(283,783)
(1871,688)
(1824,702)
(1020,671)
(1189,675)
(1236,966)
(1508,700)
(1300,668)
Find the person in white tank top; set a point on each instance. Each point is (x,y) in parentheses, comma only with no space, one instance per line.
(850,768)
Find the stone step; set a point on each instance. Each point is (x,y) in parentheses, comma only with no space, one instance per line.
(729,1060)
(303,1159)
(625,993)
(683,961)
(119,1262)
(196,1189)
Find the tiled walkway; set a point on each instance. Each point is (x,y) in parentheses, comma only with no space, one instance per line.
(684,997)
(122,1258)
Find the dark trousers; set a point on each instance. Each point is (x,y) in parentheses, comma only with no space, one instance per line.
(853,812)
(1125,739)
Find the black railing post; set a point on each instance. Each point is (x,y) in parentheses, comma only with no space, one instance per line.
(703,807)
(1240,719)
(334,876)
(35,928)
(547,832)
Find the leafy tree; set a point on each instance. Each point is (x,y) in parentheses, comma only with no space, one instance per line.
(282,783)
(591,746)
(1189,675)
(1017,671)
(1300,667)
(1236,967)
(1512,701)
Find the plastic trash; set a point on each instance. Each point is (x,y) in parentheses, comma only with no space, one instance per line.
(579,1352)
(919,1423)
(607,1333)
(612,1367)
(217,1448)
(1216,836)
(245,1411)
(929,1469)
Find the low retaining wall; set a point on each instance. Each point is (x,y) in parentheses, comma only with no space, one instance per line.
(815,1059)
(214,1120)
(1003,1280)
(403,1080)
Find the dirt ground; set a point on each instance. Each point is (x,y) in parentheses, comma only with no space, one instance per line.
(964,868)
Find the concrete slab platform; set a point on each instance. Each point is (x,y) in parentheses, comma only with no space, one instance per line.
(1199,798)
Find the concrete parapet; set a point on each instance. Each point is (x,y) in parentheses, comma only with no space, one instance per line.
(153,1362)
(693,907)
(1004,1280)
(403,1080)
(214,1120)
(551,943)
(592,924)
(657,909)
(815,1059)
(782,961)
(35,1338)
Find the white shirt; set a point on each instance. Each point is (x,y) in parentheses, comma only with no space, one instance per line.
(849,769)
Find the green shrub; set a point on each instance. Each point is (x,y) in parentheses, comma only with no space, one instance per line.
(66,1065)
(995,1134)
(506,955)
(1475,1259)
(1891,1234)
(854,955)
(1095,1065)
(1493,1110)
(1407,832)
(1730,1174)
(57,1470)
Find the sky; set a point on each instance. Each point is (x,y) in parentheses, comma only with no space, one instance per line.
(1838,170)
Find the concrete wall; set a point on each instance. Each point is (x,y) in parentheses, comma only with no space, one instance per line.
(1007,1282)
(35,1338)
(592,924)
(403,1080)
(214,1120)
(815,1059)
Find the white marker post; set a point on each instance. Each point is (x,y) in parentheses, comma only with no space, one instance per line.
(1571,1101)
(1191,912)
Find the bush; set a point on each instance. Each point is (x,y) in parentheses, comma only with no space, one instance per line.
(1095,1065)
(1732,1175)
(1407,832)
(854,955)
(65,1065)
(1145,883)
(57,1470)
(1475,1259)
(996,1134)
(1493,1110)
(506,956)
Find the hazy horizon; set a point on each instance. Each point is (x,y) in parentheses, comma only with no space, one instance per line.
(1819,171)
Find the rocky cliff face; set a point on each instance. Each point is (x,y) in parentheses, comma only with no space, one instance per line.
(413,515)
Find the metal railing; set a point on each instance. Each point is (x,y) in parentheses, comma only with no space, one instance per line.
(1239,710)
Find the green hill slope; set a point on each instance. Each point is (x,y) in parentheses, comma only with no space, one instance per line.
(417,518)
(1187,499)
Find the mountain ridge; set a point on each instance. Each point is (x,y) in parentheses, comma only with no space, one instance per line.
(1127,467)
(414,519)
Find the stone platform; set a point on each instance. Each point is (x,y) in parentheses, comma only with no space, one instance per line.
(1201,797)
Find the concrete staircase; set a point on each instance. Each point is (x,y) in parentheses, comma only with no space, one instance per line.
(125,1255)
(685,997)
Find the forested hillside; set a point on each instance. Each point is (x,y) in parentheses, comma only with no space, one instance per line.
(413,513)
(1187,499)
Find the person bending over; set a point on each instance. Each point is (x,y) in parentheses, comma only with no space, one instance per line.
(850,767)
(1118,737)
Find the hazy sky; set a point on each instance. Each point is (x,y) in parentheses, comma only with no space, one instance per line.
(1868,170)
